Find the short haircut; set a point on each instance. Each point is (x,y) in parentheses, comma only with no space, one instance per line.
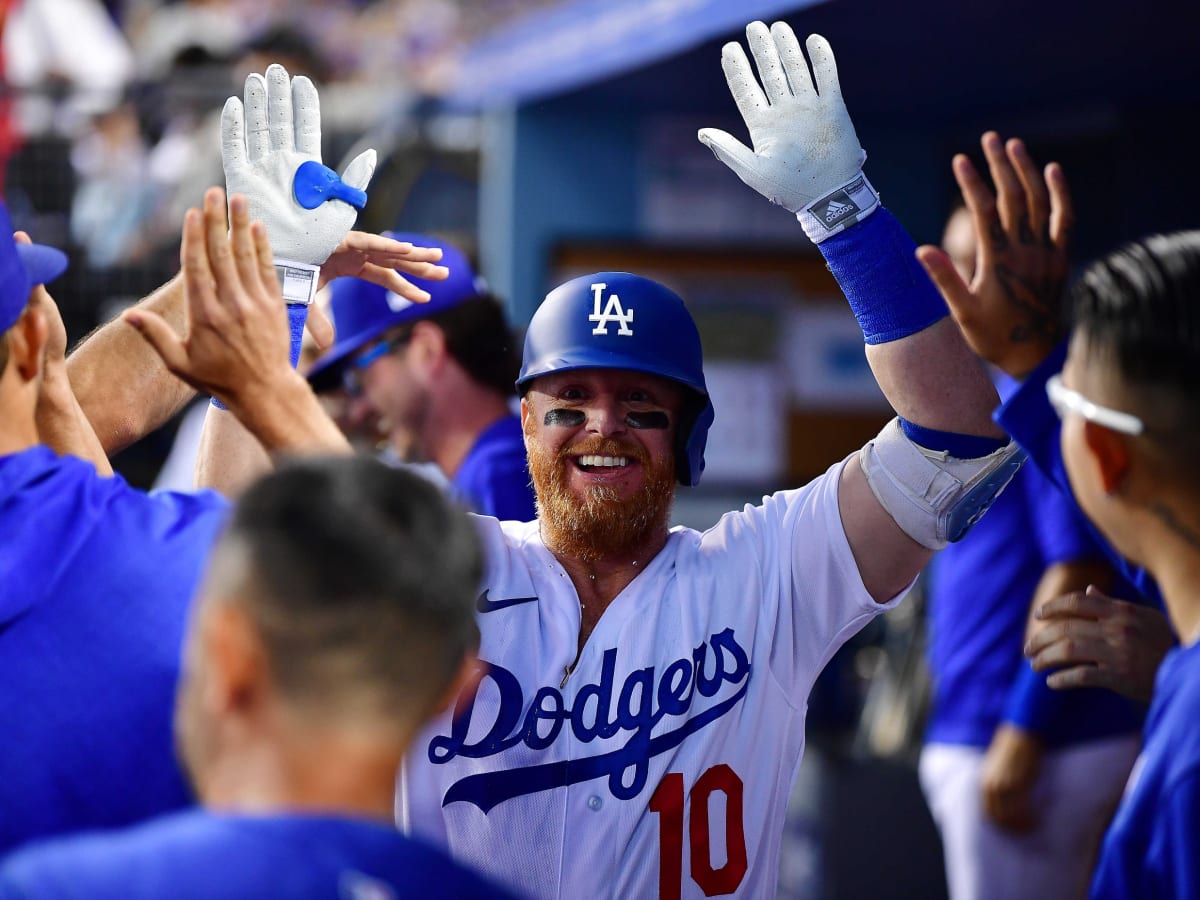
(1139,309)
(361,580)
(479,339)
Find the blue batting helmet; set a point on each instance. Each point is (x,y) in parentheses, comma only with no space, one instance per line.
(615,320)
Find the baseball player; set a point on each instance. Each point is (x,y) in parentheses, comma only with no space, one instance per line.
(95,577)
(439,374)
(1126,400)
(1020,779)
(336,613)
(640,716)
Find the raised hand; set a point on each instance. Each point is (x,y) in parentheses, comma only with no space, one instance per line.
(1011,314)
(236,343)
(806,155)
(1093,640)
(271,151)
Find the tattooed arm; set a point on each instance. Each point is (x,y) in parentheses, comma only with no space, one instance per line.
(1011,314)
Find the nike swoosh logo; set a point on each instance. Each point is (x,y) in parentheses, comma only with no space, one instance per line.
(484,605)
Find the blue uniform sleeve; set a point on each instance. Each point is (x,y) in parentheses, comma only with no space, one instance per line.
(1032,422)
(1172,858)
(1060,534)
(1032,704)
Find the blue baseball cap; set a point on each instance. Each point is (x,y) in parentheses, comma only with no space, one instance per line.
(21,267)
(363,311)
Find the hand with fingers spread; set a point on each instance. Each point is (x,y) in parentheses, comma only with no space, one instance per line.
(379,260)
(1093,640)
(271,151)
(1011,313)
(806,155)
(236,343)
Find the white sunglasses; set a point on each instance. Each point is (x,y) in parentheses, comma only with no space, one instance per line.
(1064,400)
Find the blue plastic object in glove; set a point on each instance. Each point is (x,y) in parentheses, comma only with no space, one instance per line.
(315,183)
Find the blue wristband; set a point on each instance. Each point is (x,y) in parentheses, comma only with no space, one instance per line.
(960,446)
(875,265)
(297,315)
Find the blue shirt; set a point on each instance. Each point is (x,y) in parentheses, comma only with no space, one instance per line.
(95,582)
(980,594)
(198,854)
(493,479)
(1152,848)
(1028,416)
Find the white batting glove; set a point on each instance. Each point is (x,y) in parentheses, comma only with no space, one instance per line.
(806,156)
(271,151)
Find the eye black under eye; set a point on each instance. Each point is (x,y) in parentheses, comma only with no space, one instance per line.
(655,419)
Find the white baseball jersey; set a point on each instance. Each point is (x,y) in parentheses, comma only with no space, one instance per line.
(662,764)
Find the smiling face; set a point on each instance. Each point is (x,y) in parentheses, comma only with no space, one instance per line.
(600,445)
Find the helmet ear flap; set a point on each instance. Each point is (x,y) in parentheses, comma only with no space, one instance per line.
(691,436)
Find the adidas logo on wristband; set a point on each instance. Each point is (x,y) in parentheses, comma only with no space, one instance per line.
(839,209)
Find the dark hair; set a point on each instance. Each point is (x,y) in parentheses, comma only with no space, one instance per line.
(1140,308)
(479,339)
(362,583)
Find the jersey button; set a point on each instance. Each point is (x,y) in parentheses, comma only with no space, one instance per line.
(594,803)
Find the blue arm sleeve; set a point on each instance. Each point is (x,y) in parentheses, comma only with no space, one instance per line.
(1032,422)
(876,267)
(1032,705)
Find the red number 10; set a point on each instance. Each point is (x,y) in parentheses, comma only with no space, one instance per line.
(667,801)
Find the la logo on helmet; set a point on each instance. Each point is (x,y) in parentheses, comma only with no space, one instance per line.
(613,312)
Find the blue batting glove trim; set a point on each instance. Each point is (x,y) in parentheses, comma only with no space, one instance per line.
(960,446)
(314,183)
(297,314)
(875,265)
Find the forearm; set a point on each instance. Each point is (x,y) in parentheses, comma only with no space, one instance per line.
(120,383)
(229,457)
(61,424)
(919,357)
(288,419)
(932,379)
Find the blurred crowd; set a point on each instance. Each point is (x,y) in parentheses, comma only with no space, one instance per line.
(109,113)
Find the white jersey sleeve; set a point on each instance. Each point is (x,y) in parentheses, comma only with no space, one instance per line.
(808,586)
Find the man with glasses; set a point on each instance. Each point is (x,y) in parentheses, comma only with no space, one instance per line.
(1129,440)
(436,379)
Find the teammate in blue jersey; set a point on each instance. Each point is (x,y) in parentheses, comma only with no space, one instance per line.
(95,579)
(336,614)
(1129,437)
(439,375)
(1021,780)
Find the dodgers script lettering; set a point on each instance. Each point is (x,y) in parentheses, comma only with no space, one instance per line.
(600,710)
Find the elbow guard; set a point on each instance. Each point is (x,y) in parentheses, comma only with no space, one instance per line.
(934,497)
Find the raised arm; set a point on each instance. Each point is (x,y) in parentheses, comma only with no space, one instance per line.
(939,465)
(122,386)
(275,160)
(237,340)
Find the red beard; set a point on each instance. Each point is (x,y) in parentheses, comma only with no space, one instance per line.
(599,524)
